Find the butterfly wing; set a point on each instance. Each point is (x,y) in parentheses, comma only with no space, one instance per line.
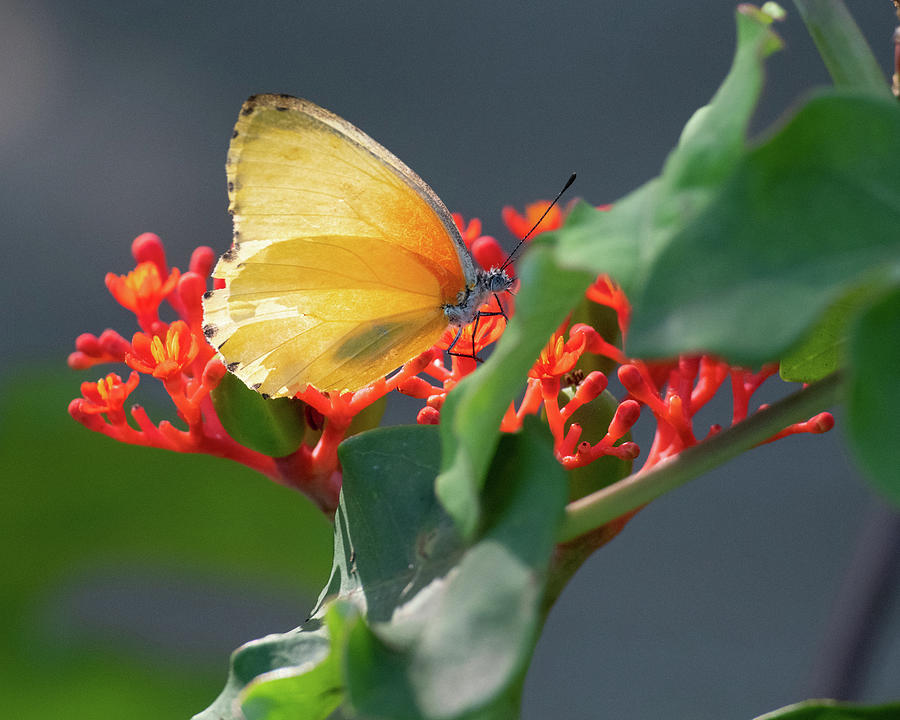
(342,259)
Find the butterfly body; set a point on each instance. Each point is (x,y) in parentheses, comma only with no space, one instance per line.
(469,301)
(345,264)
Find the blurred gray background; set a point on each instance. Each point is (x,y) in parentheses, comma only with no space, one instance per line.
(115,120)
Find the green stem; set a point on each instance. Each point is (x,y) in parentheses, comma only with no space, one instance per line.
(843,48)
(594,510)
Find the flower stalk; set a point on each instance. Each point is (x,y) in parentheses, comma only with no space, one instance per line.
(599,508)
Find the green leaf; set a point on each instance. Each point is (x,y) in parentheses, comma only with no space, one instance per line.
(309,648)
(470,418)
(448,627)
(833,710)
(388,508)
(462,642)
(625,240)
(804,218)
(823,349)
(273,427)
(874,394)
(738,250)
(309,691)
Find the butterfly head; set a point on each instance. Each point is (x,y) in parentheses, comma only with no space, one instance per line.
(497,280)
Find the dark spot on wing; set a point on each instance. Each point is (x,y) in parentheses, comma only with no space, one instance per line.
(232,366)
(209,331)
(234,134)
(256,386)
(266,396)
(281,108)
(230,186)
(207,295)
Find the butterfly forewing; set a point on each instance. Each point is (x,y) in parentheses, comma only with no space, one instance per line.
(342,259)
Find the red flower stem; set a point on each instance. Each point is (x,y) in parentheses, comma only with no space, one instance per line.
(603,506)
(149,434)
(550,392)
(712,375)
(531,401)
(570,441)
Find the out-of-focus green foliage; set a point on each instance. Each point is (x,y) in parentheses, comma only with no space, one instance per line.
(84,516)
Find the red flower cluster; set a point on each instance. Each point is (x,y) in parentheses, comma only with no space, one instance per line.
(178,354)
(673,391)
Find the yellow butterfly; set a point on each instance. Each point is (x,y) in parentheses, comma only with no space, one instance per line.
(345,264)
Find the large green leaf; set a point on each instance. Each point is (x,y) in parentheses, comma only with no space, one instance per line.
(317,688)
(389,532)
(738,250)
(309,647)
(626,240)
(466,638)
(833,710)
(804,218)
(823,350)
(421,624)
(874,394)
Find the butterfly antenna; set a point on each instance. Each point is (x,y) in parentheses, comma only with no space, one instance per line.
(540,219)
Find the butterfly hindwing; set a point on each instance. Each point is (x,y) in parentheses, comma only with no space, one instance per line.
(342,260)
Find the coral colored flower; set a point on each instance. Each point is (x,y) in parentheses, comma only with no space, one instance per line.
(108,394)
(558,357)
(91,350)
(519,225)
(142,289)
(606,292)
(189,369)
(163,358)
(486,330)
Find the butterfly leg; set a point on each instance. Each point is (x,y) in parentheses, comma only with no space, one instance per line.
(500,305)
(453,345)
(478,317)
(458,335)
(471,355)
